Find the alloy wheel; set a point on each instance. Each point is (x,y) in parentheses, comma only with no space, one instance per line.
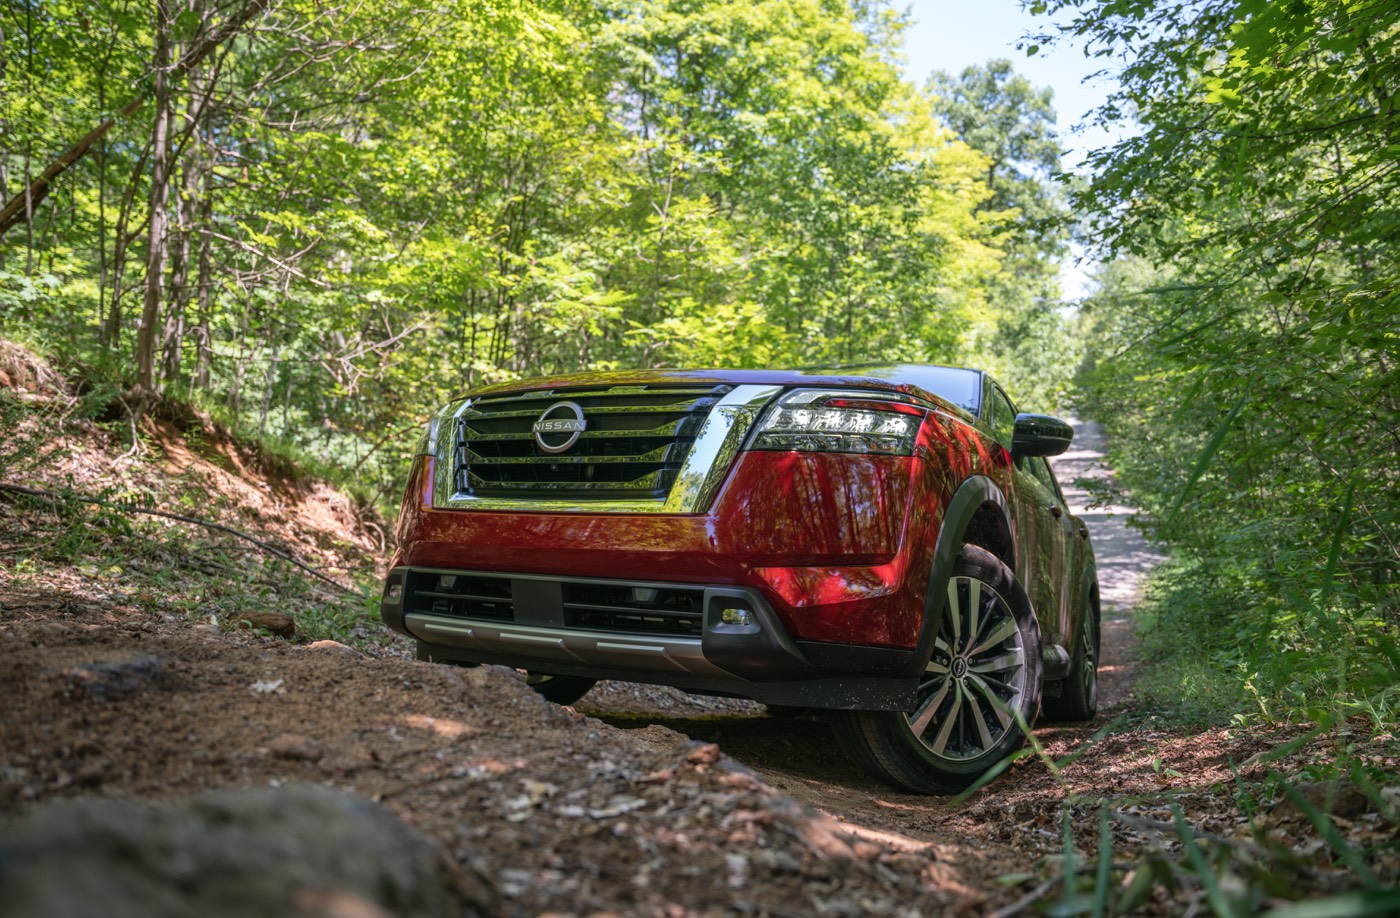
(1090,667)
(976,678)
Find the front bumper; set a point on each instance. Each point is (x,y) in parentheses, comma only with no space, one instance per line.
(714,638)
(839,545)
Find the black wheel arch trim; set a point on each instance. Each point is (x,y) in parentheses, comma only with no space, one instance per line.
(967,500)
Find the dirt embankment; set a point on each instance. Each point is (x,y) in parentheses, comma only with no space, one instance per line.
(126,678)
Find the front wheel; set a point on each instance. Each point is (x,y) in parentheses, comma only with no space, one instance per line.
(984,674)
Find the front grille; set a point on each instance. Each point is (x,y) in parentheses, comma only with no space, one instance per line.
(461,596)
(641,610)
(636,439)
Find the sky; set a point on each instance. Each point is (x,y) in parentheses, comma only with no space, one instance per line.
(953,34)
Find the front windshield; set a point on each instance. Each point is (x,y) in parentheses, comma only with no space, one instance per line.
(959,386)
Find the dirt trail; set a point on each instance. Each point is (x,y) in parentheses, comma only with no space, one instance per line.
(1123,556)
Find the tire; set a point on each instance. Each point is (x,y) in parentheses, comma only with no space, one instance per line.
(1079,696)
(786,711)
(957,732)
(559,689)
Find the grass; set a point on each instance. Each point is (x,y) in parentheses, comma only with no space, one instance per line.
(1268,843)
(162,570)
(340,458)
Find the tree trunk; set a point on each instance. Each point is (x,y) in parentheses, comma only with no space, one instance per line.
(146,386)
(19,208)
(195,184)
(203,347)
(173,334)
(111,331)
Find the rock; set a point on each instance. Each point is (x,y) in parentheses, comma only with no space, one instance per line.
(295,851)
(1335,798)
(274,622)
(707,754)
(334,647)
(109,680)
(295,746)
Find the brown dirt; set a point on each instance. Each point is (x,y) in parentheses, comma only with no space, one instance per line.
(641,801)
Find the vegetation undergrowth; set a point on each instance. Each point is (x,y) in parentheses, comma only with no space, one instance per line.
(100,383)
(1210,659)
(1244,349)
(56,442)
(1304,828)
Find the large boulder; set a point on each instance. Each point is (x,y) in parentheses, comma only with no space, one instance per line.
(298,850)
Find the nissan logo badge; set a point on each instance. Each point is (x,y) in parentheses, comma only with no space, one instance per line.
(562,419)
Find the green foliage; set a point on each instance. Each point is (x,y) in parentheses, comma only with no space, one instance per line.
(1246,339)
(1025,339)
(377,206)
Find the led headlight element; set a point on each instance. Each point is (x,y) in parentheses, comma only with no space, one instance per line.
(840,421)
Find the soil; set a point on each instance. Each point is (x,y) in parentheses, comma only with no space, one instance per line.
(638,800)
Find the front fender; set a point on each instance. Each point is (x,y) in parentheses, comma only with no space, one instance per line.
(971,496)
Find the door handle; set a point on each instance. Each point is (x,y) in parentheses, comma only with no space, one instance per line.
(1055,511)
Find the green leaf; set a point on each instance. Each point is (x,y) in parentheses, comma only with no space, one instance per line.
(1203,460)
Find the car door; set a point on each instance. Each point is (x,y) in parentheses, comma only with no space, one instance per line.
(1058,548)
(1035,528)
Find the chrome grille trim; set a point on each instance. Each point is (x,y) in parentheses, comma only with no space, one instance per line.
(495,453)
(691,481)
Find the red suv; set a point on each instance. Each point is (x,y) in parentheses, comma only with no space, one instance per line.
(885,542)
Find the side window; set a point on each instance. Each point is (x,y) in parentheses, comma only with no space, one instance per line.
(1003,417)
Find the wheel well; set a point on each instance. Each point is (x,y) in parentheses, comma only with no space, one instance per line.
(987,529)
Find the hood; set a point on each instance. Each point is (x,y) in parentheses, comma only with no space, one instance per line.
(957,388)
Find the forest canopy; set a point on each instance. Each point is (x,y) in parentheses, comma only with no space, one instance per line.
(319,220)
(1245,337)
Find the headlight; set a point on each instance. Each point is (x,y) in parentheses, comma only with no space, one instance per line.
(840,421)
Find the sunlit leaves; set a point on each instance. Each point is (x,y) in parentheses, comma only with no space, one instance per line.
(380,204)
(1264,189)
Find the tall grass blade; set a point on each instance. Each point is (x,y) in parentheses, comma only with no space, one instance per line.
(990,775)
(1105,864)
(1373,793)
(1203,461)
(1201,866)
(1329,573)
(1246,800)
(1067,864)
(1329,832)
(1347,905)
(1092,741)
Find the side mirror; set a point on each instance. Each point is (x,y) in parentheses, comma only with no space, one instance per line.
(1039,435)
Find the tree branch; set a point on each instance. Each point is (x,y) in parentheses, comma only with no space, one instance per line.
(21,207)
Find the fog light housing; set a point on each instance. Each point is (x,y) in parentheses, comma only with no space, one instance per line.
(393,592)
(644,594)
(737,617)
(446,582)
